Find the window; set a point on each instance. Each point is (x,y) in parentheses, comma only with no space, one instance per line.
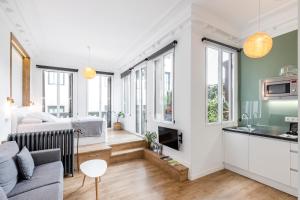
(58,93)
(99,97)
(164,66)
(55,78)
(126,94)
(219,79)
(140,100)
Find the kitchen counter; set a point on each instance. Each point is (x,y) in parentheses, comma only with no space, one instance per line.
(262,132)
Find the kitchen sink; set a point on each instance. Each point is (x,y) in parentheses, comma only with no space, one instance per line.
(242,128)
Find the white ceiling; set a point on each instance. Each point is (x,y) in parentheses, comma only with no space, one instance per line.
(242,13)
(64,28)
(61,29)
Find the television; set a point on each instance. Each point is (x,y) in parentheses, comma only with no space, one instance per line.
(168,137)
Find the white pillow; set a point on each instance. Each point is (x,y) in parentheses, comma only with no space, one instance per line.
(45,117)
(31,120)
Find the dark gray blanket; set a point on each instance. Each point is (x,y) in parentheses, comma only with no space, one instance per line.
(89,126)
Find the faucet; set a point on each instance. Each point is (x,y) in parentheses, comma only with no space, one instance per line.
(245,116)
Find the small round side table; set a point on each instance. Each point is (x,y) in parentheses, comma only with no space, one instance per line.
(94,169)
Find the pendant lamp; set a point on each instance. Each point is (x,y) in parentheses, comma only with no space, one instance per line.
(89,72)
(259,44)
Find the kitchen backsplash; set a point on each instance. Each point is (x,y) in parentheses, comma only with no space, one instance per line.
(251,71)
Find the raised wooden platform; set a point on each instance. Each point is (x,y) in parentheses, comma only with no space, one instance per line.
(125,146)
(121,146)
(178,172)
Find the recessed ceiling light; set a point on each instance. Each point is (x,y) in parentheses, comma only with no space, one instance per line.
(21,31)
(18,26)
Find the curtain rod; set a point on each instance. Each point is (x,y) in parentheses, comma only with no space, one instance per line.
(105,73)
(56,68)
(222,44)
(152,56)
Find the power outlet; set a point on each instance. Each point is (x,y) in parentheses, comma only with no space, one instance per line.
(291,119)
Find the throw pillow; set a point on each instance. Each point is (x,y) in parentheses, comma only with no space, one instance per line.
(26,163)
(8,166)
(2,194)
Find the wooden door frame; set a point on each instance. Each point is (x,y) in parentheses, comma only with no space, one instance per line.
(14,43)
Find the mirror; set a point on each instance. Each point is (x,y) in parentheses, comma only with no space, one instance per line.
(19,73)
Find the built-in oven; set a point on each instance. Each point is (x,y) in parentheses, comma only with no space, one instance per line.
(279,88)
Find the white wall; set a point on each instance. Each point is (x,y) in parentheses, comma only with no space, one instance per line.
(182,88)
(4,76)
(202,148)
(5,110)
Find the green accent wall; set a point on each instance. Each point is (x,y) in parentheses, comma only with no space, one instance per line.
(251,71)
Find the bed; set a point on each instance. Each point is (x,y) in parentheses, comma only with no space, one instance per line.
(92,130)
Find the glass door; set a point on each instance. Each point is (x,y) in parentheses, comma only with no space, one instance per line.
(58,93)
(99,97)
(141,100)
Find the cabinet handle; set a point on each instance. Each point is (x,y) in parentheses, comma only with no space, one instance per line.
(293,170)
(293,151)
(96,155)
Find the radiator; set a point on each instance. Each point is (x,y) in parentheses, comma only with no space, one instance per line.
(62,139)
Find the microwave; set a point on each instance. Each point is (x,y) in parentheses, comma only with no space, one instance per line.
(280,88)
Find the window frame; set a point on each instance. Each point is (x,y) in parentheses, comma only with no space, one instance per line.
(58,85)
(233,91)
(129,94)
(161,58)
(109,88)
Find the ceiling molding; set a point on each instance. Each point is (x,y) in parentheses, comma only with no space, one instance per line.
(207,30)
(173,19)
(12,15)
(276,22)
(158,43)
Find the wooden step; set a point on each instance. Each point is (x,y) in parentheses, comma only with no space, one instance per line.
(126,155)
(178,172)
(128,145)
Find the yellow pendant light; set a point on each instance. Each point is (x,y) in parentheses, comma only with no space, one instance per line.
(89,72)
(259,44)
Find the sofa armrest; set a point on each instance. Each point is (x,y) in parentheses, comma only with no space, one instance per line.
(45,156)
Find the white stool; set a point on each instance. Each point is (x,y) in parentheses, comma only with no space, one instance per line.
(94,169)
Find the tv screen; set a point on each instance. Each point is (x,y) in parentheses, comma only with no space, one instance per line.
(168,137)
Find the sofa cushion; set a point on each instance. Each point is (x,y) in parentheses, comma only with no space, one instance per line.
(43,175)
(8,167)
(25,163)
(2,194)
(48,192)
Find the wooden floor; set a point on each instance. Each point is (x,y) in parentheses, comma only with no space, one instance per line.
(140,180)
(117,137)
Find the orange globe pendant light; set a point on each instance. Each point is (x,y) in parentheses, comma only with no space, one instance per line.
(259,44)
(89,72)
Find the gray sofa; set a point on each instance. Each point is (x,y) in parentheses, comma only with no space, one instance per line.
(46,182)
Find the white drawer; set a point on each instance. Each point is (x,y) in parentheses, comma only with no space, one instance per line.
(294,161)
(294,179)
(294,147)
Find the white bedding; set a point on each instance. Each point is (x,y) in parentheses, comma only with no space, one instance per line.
(60,124)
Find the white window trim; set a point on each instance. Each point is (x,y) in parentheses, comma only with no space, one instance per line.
(129,95)
(161,121)
(72,106)
(234,93)
(139,68)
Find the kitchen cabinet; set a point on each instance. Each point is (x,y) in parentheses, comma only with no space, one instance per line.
(270,158)
(236,149)
(294,165)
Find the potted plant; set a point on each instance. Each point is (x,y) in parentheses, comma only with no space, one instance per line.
(150,138)
(117,124)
